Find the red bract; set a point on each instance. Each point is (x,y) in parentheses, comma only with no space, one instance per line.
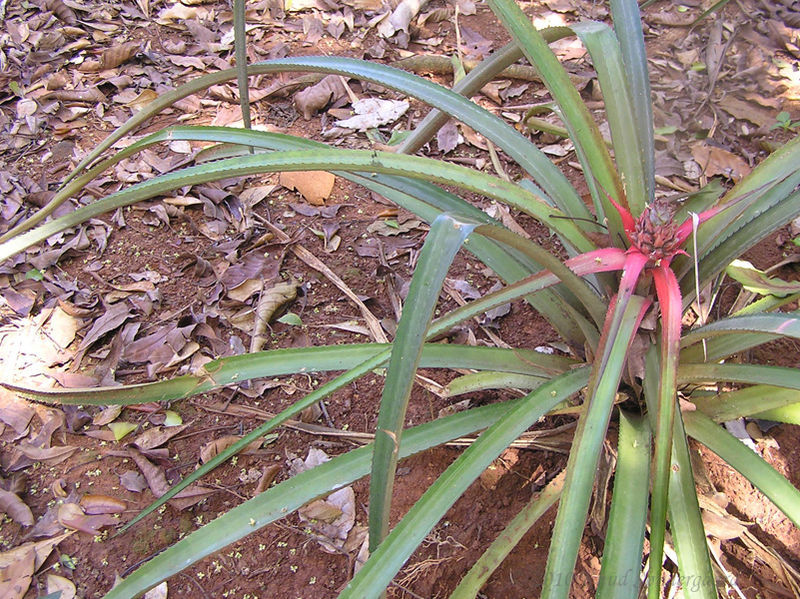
(655,239)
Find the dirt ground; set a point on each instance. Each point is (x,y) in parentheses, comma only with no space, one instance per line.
(180,275)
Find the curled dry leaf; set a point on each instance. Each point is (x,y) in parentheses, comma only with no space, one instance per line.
(401,17)
(15,508)
(15,412)
(112,57)
(331,517)
(329,89)
(267,477)
(18,565)
(271,300)
(70,515)
(157,481)
(63,12)
(102,504)
(723,526)
(50,455)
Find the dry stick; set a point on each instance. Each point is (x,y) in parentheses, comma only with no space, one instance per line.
(311,260)
(556,439)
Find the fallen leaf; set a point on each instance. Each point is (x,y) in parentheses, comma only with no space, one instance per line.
(157,481)
(374,112)
(107,415)
(51,455)
(102,504)
(70,515)
(133,481)
(120,429)
(157,436)
(328,90)
(176,12)
(401,17)
(314,186)
(15,412)
(269,303)
(159,592)
(447,137)
(716,161)
(63,586)
(113,317)
(212,448)
(65,14)
(747,111)
(723,527)
(332,517)
(15,508)
(145,97)
(16,571)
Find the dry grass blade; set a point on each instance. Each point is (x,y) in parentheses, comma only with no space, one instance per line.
(557,439)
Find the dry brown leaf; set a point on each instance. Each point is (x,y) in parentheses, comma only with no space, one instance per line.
(15,508)
(401,17)
(145,97)
(49,455)
(157,481)
(716,161)
(723,527)
(212,448)
(314,186)
(269,303)
(15,412)
(133,481)
(267,477)
(91,95)
(114,317)
(16,571)
(332,518)
(672,19)
(102,504)
(747,111)
(61,327)
(365,5)
(246,289)
(176,12)
(59,584)
(157,436)
(318,96)
(62,11)
(107,415)
(70,515)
